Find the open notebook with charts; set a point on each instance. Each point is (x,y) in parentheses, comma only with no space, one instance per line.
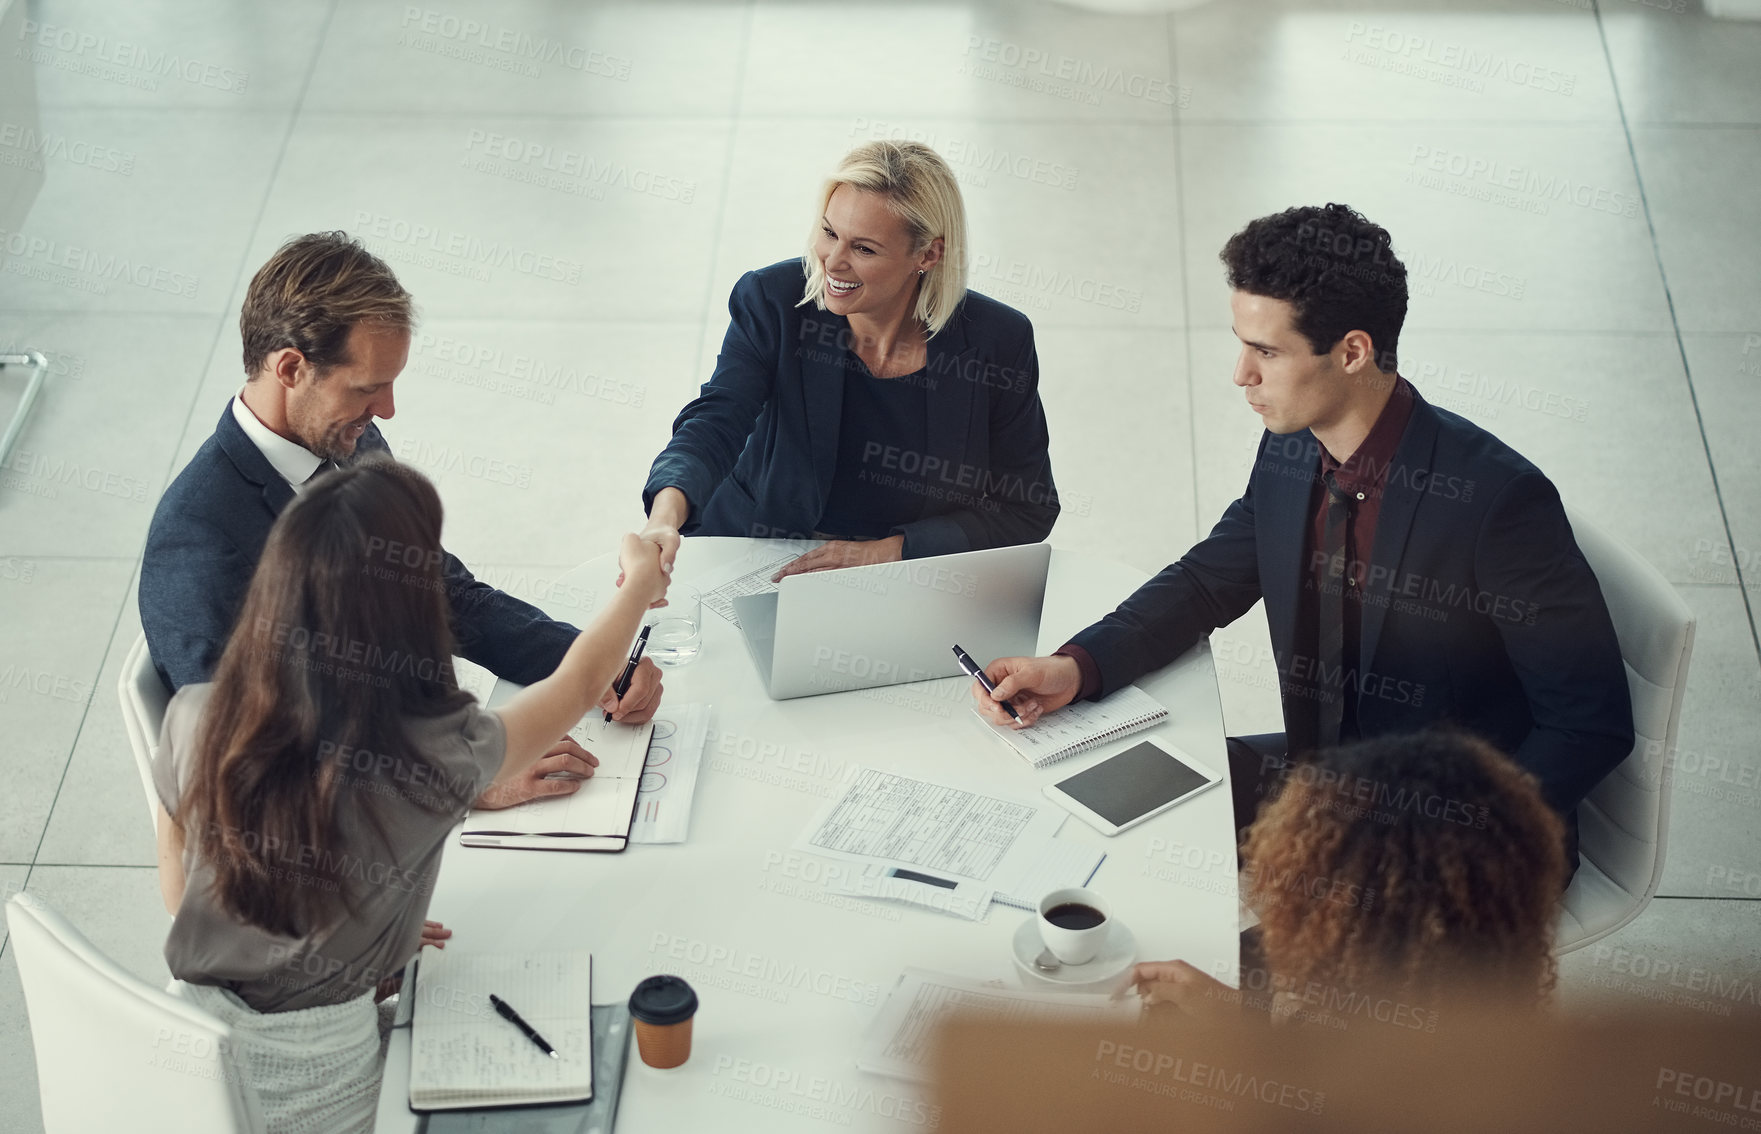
(597,817)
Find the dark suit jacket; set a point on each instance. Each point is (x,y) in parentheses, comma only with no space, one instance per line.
(756,451)
(1480,610)
(208,533)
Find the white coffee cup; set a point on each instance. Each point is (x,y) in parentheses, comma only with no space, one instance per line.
(1074,946)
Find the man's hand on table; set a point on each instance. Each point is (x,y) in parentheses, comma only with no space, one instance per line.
(845,553)
(566,760)
(1035,686)
(640,702)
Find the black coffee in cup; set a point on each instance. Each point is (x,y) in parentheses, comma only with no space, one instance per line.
(1074,915)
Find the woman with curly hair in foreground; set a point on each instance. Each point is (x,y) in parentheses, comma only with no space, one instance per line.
(1390,876)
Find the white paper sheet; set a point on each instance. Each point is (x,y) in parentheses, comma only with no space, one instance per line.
(959,897)
(898,1043)
(669,778)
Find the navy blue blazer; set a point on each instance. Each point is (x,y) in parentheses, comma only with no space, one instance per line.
(1479,609)
(756,451)
(208,533)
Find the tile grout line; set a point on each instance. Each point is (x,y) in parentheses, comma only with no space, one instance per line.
(1675,324)
(293,118)
(1185,282)
(721,212)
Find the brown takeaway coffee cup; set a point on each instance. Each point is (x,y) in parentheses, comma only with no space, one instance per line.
(662,1007)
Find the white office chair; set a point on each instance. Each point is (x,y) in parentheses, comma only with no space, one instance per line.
(113,1052)
(1623,822)
(143,699)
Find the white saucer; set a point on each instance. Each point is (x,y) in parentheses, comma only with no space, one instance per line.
(1108,972)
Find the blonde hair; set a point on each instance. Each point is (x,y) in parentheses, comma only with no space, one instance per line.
(921,190)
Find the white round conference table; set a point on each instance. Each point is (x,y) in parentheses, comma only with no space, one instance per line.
(789,976)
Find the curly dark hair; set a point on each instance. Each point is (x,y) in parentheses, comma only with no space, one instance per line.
(1335,267)
(1414,865)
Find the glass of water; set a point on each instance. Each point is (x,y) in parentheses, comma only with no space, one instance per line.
(677,633)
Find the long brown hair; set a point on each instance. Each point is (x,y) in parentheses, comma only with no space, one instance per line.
(1417,865)
(343,633)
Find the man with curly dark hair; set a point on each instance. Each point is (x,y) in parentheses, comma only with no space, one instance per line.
(1388,905)
(1415,569)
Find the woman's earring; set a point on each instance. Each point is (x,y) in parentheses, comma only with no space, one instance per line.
(920,271)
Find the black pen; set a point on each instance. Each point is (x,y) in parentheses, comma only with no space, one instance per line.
(505,1012)
(622,685)
(971,667)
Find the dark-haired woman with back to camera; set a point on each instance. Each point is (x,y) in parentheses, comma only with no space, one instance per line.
(308,790)
(1391,877)
(863,396)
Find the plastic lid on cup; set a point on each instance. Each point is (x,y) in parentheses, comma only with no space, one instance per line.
(663,1000)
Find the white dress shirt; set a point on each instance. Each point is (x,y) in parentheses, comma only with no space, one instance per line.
(293,461)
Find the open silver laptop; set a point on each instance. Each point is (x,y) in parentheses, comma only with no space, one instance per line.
(889,623)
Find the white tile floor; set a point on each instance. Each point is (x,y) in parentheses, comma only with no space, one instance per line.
(333,114)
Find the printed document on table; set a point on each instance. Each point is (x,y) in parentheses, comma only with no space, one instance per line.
(898,1042)
(937,831)
(721,589)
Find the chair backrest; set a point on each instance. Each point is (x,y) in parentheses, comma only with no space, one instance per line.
(113,1052)
(143,698)
(1624,821)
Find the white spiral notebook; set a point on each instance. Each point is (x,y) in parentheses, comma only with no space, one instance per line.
(1083,725)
